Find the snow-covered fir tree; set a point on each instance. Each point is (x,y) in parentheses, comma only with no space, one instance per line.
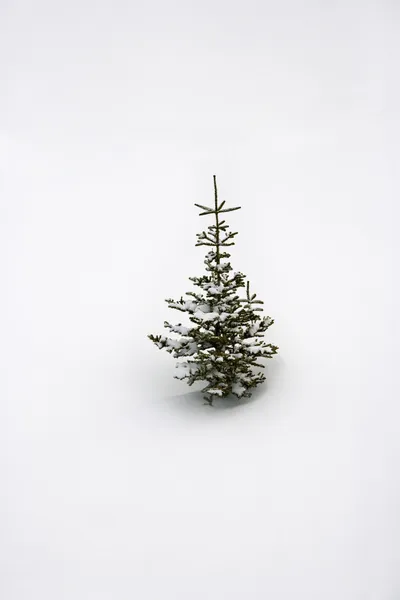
(224,341)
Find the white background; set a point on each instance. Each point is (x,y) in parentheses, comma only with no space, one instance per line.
(116,482)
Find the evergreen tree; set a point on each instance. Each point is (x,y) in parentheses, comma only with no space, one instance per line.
(224,341)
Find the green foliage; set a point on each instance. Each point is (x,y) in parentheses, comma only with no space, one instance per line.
(225,339)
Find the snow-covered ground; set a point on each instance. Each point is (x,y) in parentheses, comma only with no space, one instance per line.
(116,481)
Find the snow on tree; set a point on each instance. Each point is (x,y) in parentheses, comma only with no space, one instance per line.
(224,341)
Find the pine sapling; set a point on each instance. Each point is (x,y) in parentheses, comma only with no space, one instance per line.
(224,340)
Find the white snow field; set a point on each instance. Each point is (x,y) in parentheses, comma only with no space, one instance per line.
(116,482)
